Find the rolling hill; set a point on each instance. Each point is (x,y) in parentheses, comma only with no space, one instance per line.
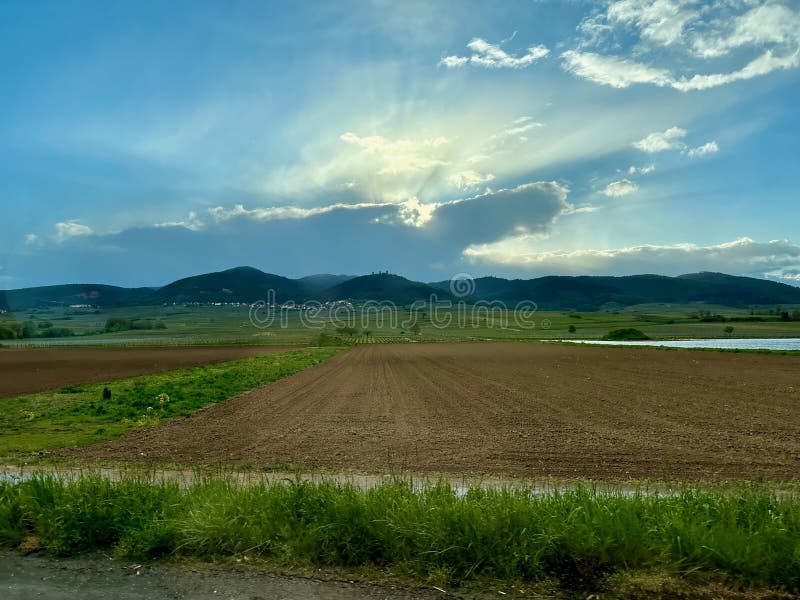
(383,287)
(65,295)
(240,284)
(597,292)
(247,284)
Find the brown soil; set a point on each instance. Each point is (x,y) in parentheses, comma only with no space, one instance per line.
(519,409)
(36,370)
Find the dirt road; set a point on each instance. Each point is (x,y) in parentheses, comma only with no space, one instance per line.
(518,409)
(23,578)
(37,370)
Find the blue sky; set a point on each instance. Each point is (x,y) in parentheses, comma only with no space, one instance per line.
(142,142)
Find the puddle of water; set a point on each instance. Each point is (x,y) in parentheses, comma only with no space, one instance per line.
(720,344)
(460,484)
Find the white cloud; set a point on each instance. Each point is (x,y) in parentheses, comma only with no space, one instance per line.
(771,28)
(763,65)
(772,23)
(518,127)
(484,135)
(491,56)
(192,222)
(659,21)
(661,140)
(454,61)
(743,256)
(585,208)
(612,70)
(620,72)
(527,208)
(632,170)
(414,213)
(477,158)
(617,189)
(469,179)
(402,155)
(71,229)
(31,238)
(707,148)
(273,213)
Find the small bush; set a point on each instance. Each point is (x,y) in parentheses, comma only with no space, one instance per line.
(56,332)
(326,339)
(11,330)
(71,389)
(625,334)
(8,332)
(115,324)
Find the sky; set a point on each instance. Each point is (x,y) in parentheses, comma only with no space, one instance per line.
(141,142)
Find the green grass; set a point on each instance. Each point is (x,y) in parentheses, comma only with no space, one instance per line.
(231,325)
(745,536)
(77,415)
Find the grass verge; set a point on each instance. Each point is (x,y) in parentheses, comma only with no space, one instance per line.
(77,415)
(583,538)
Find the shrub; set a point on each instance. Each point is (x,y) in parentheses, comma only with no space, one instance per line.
(114,324)
(8,332)
(57,332)
(625,334)
(117,324)
(11,330)
(326,339)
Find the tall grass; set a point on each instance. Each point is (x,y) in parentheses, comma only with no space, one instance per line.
(747,536)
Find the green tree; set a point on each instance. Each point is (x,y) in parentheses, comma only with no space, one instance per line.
(29,329)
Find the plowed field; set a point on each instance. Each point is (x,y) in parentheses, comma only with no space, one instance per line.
(520,409)
(37,370)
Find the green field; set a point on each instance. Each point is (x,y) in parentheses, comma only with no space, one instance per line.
(78,415)
(231,325)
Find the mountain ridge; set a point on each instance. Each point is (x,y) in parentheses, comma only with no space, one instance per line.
(552,292)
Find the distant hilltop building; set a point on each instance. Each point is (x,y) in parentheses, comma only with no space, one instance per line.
(80,306)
